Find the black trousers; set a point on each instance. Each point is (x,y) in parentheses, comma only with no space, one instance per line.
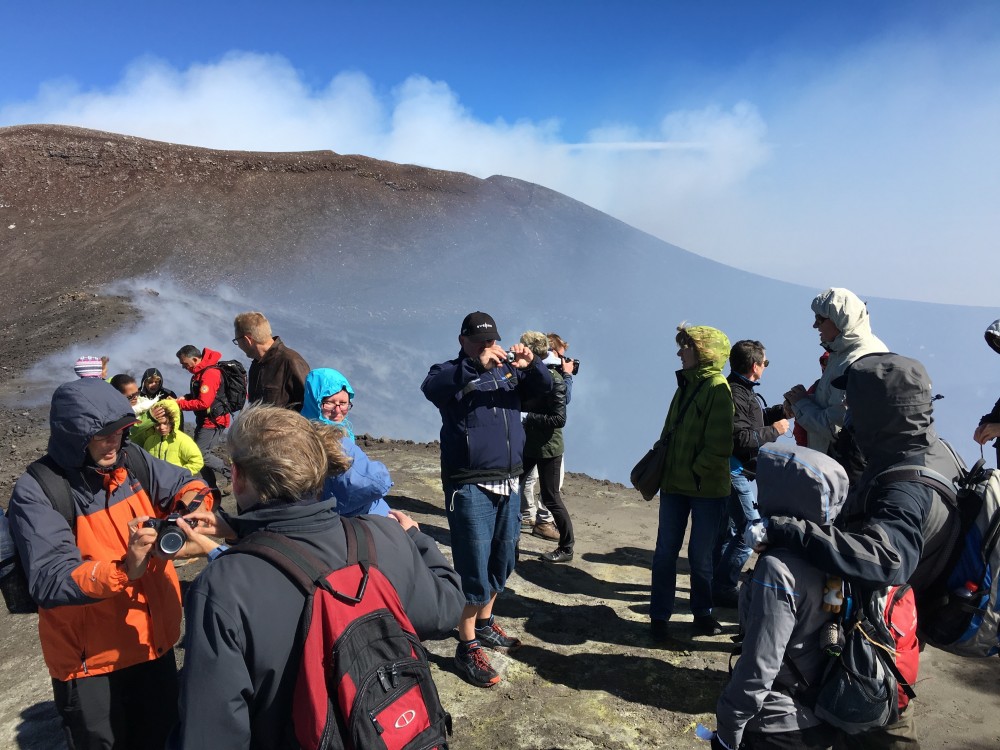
(135,707)
(548,490)
(814,738)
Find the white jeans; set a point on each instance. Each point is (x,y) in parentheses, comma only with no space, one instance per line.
(532,508)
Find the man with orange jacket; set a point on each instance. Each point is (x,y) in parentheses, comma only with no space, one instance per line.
(109,608)
(203,399)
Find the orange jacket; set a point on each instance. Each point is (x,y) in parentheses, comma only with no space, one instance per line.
(92,619)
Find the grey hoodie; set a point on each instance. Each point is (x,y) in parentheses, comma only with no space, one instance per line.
(781,610)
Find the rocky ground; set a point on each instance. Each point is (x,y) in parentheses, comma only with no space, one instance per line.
(587,676)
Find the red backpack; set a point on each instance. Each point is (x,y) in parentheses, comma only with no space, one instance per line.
(364,680)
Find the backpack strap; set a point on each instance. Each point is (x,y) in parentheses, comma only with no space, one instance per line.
(360,543)
(51,477)
(300,565)
(306,570)
(55,485)
(136,465)
(921,474)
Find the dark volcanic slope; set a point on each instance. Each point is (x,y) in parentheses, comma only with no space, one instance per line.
(80,208)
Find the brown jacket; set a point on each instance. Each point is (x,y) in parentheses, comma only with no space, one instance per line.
(278,377)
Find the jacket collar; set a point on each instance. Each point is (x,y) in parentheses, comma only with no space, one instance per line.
(285,517)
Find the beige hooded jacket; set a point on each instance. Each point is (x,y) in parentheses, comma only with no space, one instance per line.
(822,413)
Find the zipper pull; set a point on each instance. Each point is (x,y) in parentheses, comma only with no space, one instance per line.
(394,677)
(383,680)
(378,727)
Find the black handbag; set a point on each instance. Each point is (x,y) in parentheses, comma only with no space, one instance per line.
(648,473)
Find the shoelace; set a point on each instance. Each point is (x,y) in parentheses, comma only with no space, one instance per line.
(480,660)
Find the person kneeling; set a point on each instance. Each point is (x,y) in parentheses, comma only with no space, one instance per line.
(782,613)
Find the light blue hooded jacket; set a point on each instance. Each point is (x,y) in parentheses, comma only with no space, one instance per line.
(361,489)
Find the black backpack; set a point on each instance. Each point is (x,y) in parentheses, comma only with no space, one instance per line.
(232,393)
(364,680)
(55,485)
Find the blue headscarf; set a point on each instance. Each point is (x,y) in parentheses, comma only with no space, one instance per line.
(321,383)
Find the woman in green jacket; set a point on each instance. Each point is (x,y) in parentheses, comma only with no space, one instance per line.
(699,432)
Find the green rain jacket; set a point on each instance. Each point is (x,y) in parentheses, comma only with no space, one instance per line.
(698,451)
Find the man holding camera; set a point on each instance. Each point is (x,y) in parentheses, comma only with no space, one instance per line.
(109,608)
(479,396)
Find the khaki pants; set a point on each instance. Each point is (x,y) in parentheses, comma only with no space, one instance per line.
(899,736)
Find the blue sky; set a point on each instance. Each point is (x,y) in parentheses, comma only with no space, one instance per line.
(849,143)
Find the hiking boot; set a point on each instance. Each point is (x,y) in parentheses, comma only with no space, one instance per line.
(558,556)
(493,636)
(706,625)
(475,668)
(660,630)
(546,530)
(527,525)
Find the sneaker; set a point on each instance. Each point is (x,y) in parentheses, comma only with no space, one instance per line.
(546,530)
(493,636)
(475,668)
(558,556)
(706,625)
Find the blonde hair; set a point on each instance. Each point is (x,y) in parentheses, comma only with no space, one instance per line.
(557,342)
(283,455)
(254,325)
(537,341)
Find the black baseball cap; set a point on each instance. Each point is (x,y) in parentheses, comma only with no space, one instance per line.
(479,327)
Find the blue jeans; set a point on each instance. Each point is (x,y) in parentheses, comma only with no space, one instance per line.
(733,553)
(706,518)
(484,532)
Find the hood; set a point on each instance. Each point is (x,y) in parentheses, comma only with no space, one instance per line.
(889,403)
(172,409)
(799,482)
(993,336)
(145,376)
(321,383)
(848,313)
(79,409)
(209,357)
(713,349)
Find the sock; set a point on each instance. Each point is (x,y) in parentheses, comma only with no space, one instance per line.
(487,623)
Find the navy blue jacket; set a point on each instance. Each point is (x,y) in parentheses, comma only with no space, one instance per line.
(481,434)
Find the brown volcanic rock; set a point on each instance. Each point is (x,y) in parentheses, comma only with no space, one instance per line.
(80,208)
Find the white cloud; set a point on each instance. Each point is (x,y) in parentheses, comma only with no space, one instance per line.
(882,163)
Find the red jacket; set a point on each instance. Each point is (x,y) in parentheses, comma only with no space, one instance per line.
(205,383)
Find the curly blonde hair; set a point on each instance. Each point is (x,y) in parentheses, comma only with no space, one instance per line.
(537,341)
(283,455)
